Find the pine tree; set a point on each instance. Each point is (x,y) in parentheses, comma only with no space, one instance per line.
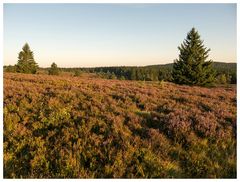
(54,69)
(192,68)
(26,63)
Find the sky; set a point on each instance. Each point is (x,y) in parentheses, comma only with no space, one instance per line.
(93,35)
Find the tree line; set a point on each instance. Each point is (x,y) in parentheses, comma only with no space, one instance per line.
(191,68)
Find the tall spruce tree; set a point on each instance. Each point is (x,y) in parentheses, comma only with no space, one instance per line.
(192,68)
(26,62)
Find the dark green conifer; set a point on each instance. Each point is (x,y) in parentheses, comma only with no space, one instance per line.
(26,63)
(192,68)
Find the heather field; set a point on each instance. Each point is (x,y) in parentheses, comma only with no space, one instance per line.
(88,127)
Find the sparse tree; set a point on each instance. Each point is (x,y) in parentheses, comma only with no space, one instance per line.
(54,69)
(192,68)
(26,63)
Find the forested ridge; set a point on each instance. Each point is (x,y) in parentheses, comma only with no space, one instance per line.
(153,72)
(148,73)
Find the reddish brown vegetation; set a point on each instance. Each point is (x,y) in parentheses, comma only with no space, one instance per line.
(80,127)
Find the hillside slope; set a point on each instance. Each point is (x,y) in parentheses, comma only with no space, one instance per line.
(216,65)
(85,127)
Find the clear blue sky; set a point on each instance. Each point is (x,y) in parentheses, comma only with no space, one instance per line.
(89,35)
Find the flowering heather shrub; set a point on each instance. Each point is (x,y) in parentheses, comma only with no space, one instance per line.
(205,124)
(88,127)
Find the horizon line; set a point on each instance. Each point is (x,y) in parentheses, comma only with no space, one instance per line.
(126,65)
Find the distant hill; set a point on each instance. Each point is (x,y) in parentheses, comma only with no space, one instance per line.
(225,66)
(219,66)
(216,65)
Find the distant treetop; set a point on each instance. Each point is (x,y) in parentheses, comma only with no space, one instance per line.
(54,69)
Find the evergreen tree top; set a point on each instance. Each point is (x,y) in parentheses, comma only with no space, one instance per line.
(26,47)
(193,48)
